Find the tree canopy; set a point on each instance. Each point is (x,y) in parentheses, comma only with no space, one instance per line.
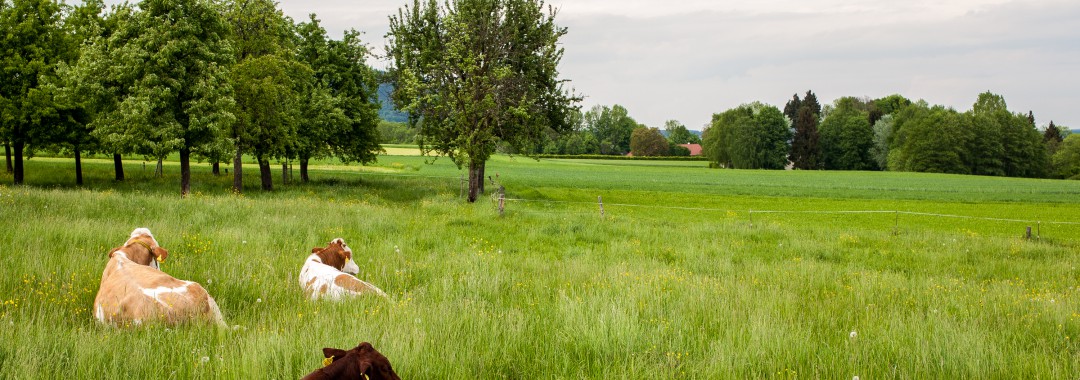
(751,136)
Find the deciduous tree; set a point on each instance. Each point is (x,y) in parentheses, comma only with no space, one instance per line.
(751,136)
(475,73)
(31,45)
(175,69)
(648,142)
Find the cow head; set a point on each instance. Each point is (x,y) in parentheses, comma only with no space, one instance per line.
(338,255)
(363,361)
(142,248)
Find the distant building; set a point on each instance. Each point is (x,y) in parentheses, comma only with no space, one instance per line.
(695,149)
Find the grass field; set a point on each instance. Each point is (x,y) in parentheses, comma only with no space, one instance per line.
(677,280)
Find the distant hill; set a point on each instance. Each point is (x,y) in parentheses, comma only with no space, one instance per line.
(388,112)
(1075,131)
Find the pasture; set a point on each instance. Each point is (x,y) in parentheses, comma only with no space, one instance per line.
(678,279)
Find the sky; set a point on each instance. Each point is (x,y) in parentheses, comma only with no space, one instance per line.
(685,60)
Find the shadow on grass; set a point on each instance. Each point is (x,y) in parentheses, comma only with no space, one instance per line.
(139,178)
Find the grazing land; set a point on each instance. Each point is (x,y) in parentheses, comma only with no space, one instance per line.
(690,272)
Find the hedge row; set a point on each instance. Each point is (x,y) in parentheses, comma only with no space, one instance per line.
(615,157)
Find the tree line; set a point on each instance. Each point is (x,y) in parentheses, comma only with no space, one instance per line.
(891,133)
(208,80)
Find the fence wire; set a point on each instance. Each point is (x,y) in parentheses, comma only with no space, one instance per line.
(825,212)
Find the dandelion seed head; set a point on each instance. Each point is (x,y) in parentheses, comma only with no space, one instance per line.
(853,334)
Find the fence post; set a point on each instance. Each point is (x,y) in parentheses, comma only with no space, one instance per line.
(751,218)
(600,199)
(896,224)
(1028,234)
(502,203)
(1039,231)
(461,187)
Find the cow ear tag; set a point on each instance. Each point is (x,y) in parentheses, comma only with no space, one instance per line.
(159,259)
(327,361)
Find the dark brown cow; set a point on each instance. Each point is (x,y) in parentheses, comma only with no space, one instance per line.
(360,363)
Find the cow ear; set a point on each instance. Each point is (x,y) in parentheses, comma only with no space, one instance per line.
(316,250)
(160,254)
(336,353)
(112,251)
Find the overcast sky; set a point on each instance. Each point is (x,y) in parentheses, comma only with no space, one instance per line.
(687,59)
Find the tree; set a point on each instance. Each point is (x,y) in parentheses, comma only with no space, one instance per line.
(751,136)
(925,140)
(1023,154)
(1067,159)
(93,83)
(74,105)
(648,142)
(478,73)
(612,127)
(847,136)
(804,115)
(32,45)
(1052,138)
(880,151)
(678,134)
(268,84)
(173,58)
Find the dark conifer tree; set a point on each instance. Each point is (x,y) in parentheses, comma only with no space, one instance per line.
(805,147)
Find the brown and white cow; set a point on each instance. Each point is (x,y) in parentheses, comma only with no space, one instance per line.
(330,272)
(362,362)
(135,290)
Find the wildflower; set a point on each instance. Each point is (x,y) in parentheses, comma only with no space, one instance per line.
(855,378)
(258,300)
(204,359)
(853,334)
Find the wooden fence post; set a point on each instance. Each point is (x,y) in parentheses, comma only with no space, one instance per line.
(751,218)
(896,224)
(600,200)
(502,203)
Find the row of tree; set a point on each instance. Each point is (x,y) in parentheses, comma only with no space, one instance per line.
(611,130)
(890,133)
(205,79)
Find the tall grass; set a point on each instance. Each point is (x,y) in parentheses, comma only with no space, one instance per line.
(672,283)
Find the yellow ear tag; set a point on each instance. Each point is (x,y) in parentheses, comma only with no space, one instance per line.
(159,259)
(327,361)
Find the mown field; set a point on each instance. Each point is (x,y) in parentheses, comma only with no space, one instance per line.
(678,279)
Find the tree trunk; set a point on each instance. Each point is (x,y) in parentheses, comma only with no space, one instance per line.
(483,180)
(303,170)
(18,169)
(216,168)
(118,166)
(185,171)
(78,167)
(266,175)
(474,180)
(238,172)
(159,171)
(284,174)
(7,154)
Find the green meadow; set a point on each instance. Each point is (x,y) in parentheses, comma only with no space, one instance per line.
(689,273)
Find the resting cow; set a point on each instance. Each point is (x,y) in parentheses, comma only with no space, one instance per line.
(362,362)
(329,272)
(135,290)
